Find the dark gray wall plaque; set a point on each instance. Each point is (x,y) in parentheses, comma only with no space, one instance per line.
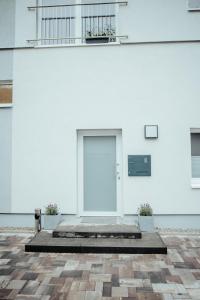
(139,165)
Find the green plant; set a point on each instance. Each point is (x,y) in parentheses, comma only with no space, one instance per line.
(145,210)
(107,32)
(51,209)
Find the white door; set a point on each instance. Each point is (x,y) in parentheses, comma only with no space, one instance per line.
(99,169)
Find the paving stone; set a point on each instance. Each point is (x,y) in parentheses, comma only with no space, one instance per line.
(149,296)
(57,281)
(146,289)
(135,282)
(16,284)
(107,289)
(119,292)
(184,265)
(13,294)
(71,265)
(181,296)
(45,289)
(52,276)
(6,270)
(30,288)
(115,280)
(167,297)
(169,288)
(74,274)
(196,275)
(175,256)
(132,292)
(89,295)
(30,276)
(141,275)
(4,261)
(25,297)
(4,293)
(101,277)
(157,277)
(99,286)
(194,293)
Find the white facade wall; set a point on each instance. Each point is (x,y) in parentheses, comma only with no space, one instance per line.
(150,78)
(5,160)
(105,87)
(7,23)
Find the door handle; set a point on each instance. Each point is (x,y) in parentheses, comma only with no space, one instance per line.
(117,172)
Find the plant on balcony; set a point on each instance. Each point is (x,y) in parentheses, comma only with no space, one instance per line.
(145,217)
(105,36)
(52,216)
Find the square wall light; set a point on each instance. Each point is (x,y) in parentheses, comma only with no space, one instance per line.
(151,131)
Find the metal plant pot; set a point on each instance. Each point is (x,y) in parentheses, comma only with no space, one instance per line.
(146,223)
(51,221)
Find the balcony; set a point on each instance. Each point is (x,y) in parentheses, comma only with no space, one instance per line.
(75,24)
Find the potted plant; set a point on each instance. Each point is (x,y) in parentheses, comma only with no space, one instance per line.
(105,36)
(52,216)
(145,217)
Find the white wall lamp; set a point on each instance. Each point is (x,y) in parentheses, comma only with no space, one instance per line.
(151,131)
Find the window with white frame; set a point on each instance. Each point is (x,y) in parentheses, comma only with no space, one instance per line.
(86,21)
(195,158)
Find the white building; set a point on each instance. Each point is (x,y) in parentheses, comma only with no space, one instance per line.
(87,78)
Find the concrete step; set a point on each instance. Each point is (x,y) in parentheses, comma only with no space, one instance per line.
(118,231)
(151,243)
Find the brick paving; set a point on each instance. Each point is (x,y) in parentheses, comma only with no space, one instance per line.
(101,276)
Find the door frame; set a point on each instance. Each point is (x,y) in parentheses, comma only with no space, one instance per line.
(80,170)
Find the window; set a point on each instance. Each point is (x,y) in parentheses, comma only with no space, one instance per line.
(195,158)
(5,92)
(193,5)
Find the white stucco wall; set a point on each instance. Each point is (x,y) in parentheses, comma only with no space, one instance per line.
(5,159)
(7,23)
(6,63)
(60,90)
(25,25)
(158,20)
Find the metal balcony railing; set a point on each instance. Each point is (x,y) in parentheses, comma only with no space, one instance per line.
(77,23)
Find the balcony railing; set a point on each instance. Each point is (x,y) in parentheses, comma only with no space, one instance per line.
(77,23)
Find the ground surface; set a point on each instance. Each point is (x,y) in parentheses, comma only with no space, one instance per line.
(103,276)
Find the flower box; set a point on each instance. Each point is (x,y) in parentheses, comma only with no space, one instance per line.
(97,40)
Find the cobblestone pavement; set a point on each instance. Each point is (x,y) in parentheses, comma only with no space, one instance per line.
(92,277)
